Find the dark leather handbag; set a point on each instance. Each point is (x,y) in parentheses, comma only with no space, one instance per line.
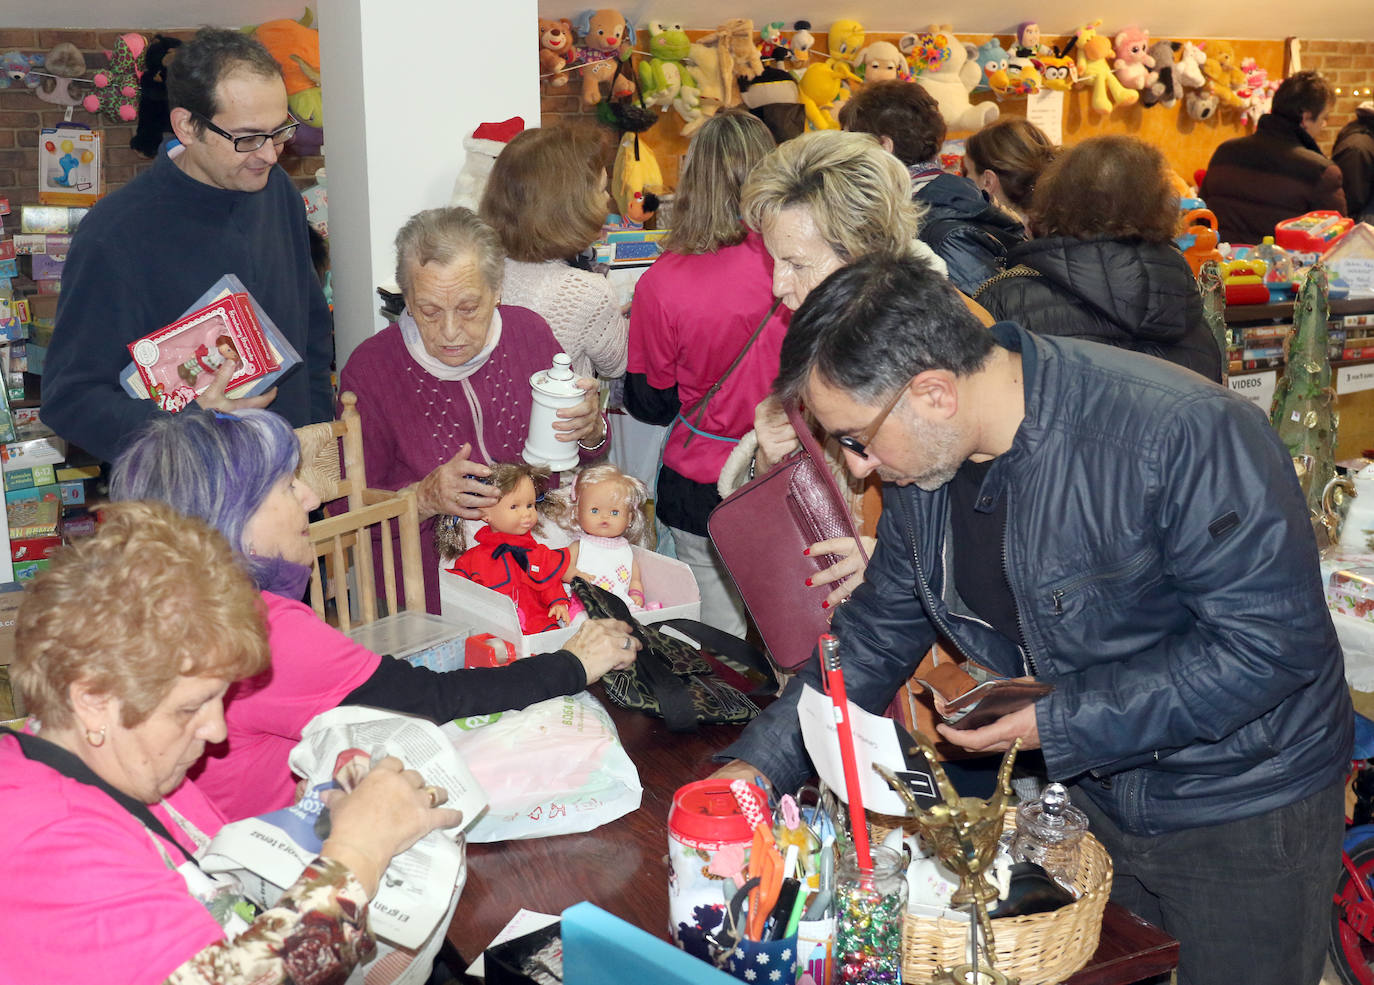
(760,532)
(672,679)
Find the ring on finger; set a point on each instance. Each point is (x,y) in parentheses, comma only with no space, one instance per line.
(625,643)
(433,793)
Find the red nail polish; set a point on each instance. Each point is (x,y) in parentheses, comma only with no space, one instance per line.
(808,583)
(806,553)
(825,605)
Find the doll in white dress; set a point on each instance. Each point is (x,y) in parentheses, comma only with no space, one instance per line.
(610,515)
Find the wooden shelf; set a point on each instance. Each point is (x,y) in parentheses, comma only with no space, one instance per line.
(1283,311)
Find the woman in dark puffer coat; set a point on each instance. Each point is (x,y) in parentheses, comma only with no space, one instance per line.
(1103,265)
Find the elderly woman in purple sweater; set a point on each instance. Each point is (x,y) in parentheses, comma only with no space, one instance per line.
(445,392)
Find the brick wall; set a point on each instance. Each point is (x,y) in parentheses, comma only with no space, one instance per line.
(22,115)
(1348,65)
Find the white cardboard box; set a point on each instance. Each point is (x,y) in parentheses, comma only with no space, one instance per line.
(666,580)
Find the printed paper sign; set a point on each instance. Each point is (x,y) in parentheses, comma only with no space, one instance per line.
(1258,388)
(1353,379)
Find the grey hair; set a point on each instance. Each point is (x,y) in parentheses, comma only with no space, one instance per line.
(444,235)
(858,194)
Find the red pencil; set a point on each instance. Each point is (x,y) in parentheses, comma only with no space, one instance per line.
(832,675)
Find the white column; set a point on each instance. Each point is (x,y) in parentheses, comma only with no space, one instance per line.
(405,81)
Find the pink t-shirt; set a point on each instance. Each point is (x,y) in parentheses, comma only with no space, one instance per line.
(314,666)
(87,896)
(690,318)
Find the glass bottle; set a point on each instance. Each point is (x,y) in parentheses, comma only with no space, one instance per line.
(870,909)
(1049,832)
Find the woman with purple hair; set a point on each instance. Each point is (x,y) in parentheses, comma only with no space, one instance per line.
(238,473)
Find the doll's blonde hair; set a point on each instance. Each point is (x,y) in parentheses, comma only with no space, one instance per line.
(550,504)
(633,495)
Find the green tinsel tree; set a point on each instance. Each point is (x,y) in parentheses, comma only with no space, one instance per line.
(1214,309)
(1304,411)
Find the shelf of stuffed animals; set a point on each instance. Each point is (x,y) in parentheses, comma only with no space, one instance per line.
(1182,119)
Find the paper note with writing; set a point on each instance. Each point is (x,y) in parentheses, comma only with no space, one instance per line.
(1353,379)
(876,740)
(1046,110)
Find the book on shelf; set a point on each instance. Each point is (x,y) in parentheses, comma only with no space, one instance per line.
(177,363)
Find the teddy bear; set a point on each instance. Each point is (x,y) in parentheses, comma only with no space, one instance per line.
(994,60)
(1222,72)
(116,87)
(1162,85)
(1133,58)
(663,78)
(955,78)
(1093,50)
(62,82)
(154,112)
(607,40)
(555,50)
(882,61)
(720,59)
(17,69)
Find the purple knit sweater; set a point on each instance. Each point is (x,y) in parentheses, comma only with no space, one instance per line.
(413,423)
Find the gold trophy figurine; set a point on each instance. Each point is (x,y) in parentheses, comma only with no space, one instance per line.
(963,832)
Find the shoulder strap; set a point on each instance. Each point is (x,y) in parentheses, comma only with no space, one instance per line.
(731,648)
(1020,270)
(813,449)
(53,756)
(699,408)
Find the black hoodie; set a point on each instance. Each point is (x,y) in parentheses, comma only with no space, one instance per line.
(1126,293)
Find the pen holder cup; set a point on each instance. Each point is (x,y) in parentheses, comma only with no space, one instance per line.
(764,962)
(815,949)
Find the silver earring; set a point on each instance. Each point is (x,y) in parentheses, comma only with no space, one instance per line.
(96,739)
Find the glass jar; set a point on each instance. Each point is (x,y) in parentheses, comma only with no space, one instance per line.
(1049,832)
(869,911)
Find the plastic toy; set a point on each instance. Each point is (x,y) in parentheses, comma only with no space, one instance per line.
(993,59)
(609,509)
(1244,281)
(1201,224)
(846,41)
(663,78)
(154,112)
(555,51)
(116,88)
(951,83)
(507,558)
(18,69)
(1133,58)
(1092,52)
(1059,72)
(1222,71)
(882,61)
(606,38)
(1162,84)
(1312,232)
(62,83)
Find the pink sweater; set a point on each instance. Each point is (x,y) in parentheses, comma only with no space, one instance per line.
(413,423)
(314,667)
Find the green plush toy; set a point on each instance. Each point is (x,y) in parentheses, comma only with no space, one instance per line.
(665,81)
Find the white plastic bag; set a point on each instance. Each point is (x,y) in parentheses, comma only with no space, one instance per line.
(554,768)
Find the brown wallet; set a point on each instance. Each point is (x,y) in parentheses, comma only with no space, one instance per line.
(969,704)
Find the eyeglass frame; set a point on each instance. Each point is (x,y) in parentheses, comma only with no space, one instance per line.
(289,129)
(858,443)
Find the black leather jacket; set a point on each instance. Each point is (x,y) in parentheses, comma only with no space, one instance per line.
(1165,574)
(1138,296)
(966,230)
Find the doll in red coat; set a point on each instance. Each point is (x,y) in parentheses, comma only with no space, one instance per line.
(507,558)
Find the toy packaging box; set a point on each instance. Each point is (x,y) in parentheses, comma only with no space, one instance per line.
(416,637)
(666,580)
(69,166)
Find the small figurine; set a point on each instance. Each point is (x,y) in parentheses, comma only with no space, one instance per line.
(507,558)
(204,361)
(610,516)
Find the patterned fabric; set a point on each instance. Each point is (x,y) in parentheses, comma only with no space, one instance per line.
(315,935)
(609,561)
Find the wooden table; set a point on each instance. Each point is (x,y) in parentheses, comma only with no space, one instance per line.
(621,866)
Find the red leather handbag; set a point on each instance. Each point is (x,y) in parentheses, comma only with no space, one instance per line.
(760,531)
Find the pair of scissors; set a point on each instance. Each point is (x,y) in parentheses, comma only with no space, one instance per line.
(765,863)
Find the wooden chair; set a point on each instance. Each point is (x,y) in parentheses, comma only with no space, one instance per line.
(344,541)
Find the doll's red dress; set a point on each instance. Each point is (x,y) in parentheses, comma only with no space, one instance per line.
(518,566)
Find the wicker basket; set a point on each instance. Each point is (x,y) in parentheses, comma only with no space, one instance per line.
(1040,949)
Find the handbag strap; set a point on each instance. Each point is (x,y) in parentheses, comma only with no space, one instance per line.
(699,408)
(53,756)
(810,447)
(728,646)
(670,691)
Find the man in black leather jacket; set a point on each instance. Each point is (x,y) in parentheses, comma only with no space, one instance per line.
(1128,532)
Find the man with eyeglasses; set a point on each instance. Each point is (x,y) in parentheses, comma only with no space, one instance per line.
(214,204)
(1128,532)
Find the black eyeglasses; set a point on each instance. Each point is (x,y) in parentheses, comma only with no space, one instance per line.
(858,443)
(249,142)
